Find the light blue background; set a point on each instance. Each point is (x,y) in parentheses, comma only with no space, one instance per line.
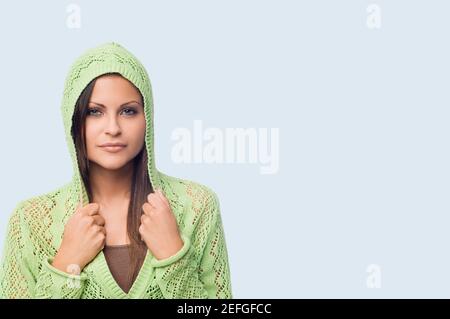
(363,117)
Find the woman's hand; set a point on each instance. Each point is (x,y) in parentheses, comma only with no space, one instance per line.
(159,229)
(84,237)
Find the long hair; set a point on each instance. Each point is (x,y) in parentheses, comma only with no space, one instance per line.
(140,184)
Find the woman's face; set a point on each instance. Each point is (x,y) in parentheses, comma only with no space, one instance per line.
(115,115)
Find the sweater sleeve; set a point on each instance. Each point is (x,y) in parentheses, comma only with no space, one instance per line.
(182,276)
(26,273)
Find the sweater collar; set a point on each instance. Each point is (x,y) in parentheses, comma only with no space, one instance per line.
(108,58)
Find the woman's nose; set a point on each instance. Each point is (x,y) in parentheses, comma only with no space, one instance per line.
(112,126)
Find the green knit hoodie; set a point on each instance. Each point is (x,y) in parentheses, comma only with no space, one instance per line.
(36,226)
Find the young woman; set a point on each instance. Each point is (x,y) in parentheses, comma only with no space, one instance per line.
(120,228)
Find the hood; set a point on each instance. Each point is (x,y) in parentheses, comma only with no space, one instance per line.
(106,58)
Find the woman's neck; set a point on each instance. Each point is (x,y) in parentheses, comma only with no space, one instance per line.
(109,186)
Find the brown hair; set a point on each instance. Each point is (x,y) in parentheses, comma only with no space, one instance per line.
(140,184)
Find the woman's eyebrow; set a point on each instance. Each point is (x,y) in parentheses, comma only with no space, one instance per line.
(99,104)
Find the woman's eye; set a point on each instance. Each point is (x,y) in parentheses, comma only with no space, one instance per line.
(129,111)
(93,112)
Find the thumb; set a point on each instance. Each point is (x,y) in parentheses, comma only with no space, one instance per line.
(79,206)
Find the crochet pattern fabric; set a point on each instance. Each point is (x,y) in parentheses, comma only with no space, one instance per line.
(36,226)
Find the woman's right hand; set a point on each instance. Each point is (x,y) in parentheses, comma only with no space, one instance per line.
(84,237)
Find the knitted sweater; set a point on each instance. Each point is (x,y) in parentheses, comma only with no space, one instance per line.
(200,269)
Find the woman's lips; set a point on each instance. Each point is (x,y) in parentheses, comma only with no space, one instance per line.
(113,149)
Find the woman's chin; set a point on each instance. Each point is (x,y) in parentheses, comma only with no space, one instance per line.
(112,165)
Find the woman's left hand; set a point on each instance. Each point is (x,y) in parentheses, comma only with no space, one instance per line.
(159,229)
